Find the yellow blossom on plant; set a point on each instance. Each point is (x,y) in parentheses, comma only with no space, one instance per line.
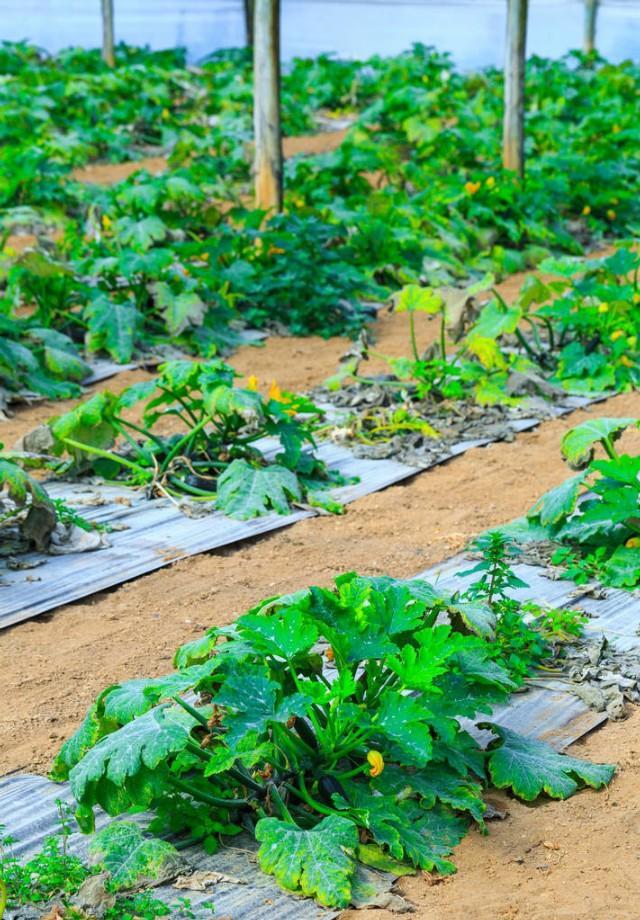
(471,187)
(627,362)
(617,334)
(632,341)
(633,543)
(275,392)
(603,308)
(586,210)
(252,383)
(329,654)
(636,297)
(106,222)
(611,214)
(376,762)
(166,114)
(490,183)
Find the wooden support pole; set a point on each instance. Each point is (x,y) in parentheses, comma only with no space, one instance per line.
(248,21)
(590,16)
(108,45)
(513,133)
(266,105)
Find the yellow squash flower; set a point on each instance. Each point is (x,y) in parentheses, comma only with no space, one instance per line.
(586,210)
(617,334)
(275,392)
(106,222)
(252,383)
(632,341)
(636,297)
(376,762)
(633,543)
(471,187)
(490,183)
(627,362)
(603,308)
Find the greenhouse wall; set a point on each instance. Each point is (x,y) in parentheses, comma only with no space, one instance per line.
(350,28)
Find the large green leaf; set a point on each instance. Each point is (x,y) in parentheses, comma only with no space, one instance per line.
(476,616)
(132,859)
(20,486)
(124,766)
(319,862)
(622,569)
(419,667)
(140,234)
(225,400)
(434,782)
(250,698)
(64,363)
(577,445)
(404,722)
(129,700)
(557,504)
(420,836)
(179,310)
(495,320)
(430,838)
(246,491)
(530,767)
(285,634)
(112,327)
(196,651)
(416,299)
(88,423)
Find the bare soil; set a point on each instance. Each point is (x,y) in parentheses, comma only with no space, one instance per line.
(550,861)
(109,173)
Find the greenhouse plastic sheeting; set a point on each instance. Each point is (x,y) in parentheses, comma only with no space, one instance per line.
(159,533)
(30,814)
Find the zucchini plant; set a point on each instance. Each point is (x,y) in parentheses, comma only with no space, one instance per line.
(580,329)
(327,724)
(213,455)
(593,518)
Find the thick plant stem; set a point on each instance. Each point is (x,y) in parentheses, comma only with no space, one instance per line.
(412,332)
(266,105)
(514,72)
(108,44)
(590,17)
(205,797)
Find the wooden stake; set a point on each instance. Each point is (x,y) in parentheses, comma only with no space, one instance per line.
(248,21)
(590,16)
(266,105)
(513,134)
(108,51)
